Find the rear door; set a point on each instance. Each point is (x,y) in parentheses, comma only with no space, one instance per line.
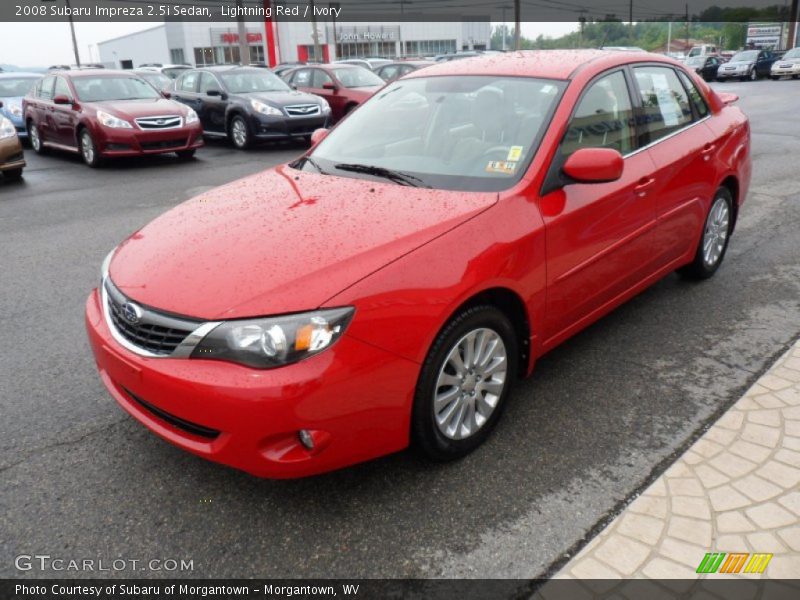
(599,235)
(681,146)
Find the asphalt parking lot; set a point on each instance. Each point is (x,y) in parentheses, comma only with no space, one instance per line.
(601,416)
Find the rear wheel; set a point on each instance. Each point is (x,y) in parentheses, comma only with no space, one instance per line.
(464,383)
(753,75)
(239,132)
(714,242)
(13,174)
(35,137)
(89,149)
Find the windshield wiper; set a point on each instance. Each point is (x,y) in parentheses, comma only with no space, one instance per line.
(315,164)
(391,175)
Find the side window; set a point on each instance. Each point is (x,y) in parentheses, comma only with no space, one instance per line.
(62,89)
(697,98)
(319,78)
(603,118)
(389,72)
(664,101)
(46,92)
(188,82)
(208,82)
(302,78)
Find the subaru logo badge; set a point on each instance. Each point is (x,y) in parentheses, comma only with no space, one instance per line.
(131,312)
(160,122)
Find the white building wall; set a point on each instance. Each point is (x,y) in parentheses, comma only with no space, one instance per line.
(146,46)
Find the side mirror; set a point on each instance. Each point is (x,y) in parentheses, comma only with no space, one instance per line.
(62,99)
(728,97)
(319,135)
(594,165)
(329,85)
(166,93)
(213,92)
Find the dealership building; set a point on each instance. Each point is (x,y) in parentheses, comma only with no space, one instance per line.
(218,43)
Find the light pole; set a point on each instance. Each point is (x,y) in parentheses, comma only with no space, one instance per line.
(334,7)
(517,19)
(244,47)
(74,38)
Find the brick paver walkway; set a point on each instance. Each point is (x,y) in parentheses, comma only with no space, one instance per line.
(737,489)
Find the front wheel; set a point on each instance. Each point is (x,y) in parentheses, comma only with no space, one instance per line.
(464,382)
(239,133)
(89,149)
(716,234)
(753,75)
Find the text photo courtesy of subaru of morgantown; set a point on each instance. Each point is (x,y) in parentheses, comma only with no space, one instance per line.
(514,286)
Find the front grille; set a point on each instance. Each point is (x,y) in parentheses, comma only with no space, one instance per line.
(303,110)
(165,122)
(152,331)
(15,157)
(177,422)
(164,144)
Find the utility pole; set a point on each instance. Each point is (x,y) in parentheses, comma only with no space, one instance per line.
(794,17)
(244,47)
(504,7)
(630,15)
(74,38)
(669,38)
(517,19)
(334,6)
(687,27)
(315,34)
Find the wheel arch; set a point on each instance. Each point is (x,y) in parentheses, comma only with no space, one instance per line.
(731,183)
(509,303)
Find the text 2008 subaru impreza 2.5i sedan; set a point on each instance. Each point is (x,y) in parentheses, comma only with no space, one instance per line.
(388,287)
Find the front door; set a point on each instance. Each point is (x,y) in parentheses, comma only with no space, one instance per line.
(599,236)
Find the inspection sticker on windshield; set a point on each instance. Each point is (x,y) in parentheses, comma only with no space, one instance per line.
(501,166)
(514,153)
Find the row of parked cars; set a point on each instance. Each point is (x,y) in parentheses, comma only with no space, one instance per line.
(747,65)
(101,114)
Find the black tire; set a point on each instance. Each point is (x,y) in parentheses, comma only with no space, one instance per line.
(13,174)
(186,154)
(774,77)
(699,268)
(241,143)
(425,433)
(91,157)
(35,138)
(753,75)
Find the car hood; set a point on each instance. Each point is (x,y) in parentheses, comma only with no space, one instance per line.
(132,109)
(283,98)
(787,61)
(739,63)
(280,241)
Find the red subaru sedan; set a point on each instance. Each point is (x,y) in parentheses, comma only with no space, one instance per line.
(389,287)
(103,114)
(343,86)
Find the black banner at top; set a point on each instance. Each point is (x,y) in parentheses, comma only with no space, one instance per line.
(397,10)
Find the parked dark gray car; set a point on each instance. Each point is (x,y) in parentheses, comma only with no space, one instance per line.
(747,65)
(246,104)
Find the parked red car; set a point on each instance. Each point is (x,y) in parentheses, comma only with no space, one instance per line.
(103,114)
(343,86)
(389,286)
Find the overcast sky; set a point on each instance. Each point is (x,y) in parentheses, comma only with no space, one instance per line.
(45,44)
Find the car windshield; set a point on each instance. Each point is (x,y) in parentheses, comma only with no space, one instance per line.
(353,77)
(100,89)
(10,87)
(794,53)
(747,56)
(157,80)
(173,72)
(245,82)
(456,132)
(697,61)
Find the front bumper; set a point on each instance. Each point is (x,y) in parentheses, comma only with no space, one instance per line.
(135,142)
(265,127)
(355,398)
(11,155)
(778,71)
(737,74)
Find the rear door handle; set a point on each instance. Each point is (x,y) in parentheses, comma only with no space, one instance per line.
(707,150)
(644,184)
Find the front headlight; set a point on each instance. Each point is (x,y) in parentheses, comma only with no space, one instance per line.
(326,108)
(112,121)
(15,110)
(7,128)
(274,341)
(191,117)
(265,109)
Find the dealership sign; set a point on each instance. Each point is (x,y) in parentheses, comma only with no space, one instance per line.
(226,37)
(365,34)
(764,35)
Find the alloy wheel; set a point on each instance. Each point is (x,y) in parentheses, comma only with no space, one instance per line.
(239,132)
(753,75)
(716,232)
(87,148)
(470,383)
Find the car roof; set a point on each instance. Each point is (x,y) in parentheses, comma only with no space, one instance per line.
(77,73)
(547,64)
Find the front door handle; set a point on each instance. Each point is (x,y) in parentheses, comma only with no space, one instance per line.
(644,184)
